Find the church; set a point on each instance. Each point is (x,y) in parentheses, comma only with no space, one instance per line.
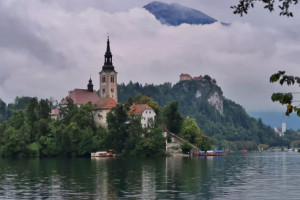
(103,100)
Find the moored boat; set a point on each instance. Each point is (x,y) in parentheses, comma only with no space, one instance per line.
(211,153)
(102,154)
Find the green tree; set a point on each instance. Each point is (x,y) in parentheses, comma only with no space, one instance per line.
(43,109)
(191,131)
(2,110)
(117,127)
(139,99)
(172,118)
(14,142)
(152,145)
(135,132)
(285,98)
(283,5)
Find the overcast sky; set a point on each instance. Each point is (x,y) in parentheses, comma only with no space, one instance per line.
(48,48)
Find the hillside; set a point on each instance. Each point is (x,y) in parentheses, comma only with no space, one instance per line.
(203,100)
(175,14)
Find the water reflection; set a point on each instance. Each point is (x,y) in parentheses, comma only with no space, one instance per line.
(250,176)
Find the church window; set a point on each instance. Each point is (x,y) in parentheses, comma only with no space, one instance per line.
(103,91)
(103,79)
(112,79)
(112,90)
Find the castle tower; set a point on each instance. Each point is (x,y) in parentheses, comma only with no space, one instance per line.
(108,76)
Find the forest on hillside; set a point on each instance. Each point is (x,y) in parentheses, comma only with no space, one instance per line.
(234,124)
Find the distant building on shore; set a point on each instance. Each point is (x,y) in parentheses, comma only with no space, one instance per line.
(280,130)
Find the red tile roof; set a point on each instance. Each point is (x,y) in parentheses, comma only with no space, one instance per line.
(82,96)
(185,75)
(138,109)
(105,103)
(54,111)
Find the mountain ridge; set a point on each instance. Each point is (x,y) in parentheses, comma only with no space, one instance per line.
(175,14)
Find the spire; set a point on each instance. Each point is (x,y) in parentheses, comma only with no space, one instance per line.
(108,47)
(90,85)
(108,57)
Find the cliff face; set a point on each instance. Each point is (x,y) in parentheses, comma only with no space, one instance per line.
(217,101)
(203,89)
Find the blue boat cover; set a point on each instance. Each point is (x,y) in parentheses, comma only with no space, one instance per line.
(201,151)
(219,151)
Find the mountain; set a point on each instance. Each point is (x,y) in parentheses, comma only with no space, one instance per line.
(201,98)
(175,14)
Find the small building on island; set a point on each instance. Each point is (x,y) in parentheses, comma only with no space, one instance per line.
(102,101)
(106,98)
(146,113)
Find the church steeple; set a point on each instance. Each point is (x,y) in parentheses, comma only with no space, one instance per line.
(108,58)
(90,86)
(108,76)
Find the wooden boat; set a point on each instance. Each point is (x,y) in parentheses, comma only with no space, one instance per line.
(102,154)
(211,153)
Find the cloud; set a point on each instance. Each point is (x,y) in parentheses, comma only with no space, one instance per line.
(49,48)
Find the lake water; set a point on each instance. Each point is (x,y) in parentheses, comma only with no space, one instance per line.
(236,176)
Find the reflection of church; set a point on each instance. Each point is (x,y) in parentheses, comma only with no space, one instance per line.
(107,96)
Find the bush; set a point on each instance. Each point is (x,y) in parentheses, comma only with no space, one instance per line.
(186,148)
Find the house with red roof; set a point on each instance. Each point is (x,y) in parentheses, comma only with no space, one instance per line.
(146,113)
(79,97)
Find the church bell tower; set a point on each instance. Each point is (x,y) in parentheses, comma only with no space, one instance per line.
(108,76)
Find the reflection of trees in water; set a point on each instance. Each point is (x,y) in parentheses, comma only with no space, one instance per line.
(126,177)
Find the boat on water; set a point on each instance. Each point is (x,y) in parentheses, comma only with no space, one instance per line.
(103,154)
(210,153)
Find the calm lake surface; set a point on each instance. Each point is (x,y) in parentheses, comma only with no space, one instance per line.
(236,176)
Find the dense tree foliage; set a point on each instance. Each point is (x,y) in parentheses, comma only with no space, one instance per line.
(192,133)
(31,132)
(172,118)
(283,5)
(234,124)
(19,103)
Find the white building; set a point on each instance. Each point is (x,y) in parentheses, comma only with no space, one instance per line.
(146,112)
(280,130)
